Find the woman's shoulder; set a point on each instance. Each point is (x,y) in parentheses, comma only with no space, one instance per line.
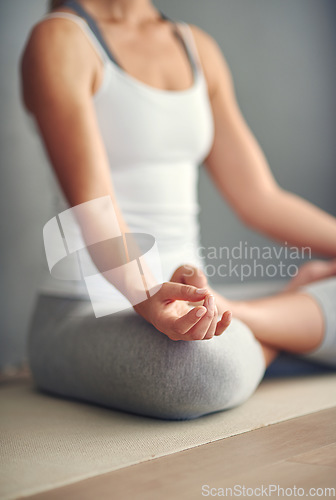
(211,57)
(53,34)
(55,48)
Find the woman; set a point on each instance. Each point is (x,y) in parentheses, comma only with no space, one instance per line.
(128,103)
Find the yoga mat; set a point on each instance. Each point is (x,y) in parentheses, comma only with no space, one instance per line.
(46,442)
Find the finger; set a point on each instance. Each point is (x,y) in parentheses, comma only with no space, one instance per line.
(196,278)
(223,323)
(178,291)
(201,328)
(212,328)
(178,273)
(181,325)
(189,274)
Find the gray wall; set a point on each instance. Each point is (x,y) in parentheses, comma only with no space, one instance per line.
(282,56)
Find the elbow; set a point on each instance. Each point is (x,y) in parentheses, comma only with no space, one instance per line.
(257,212)
(252,218)
(251,221)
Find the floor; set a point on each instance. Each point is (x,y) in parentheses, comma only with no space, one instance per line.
(281,458)
(297,453)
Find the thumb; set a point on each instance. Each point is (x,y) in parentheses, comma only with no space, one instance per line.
(197,279)
(190,275)
(178,291)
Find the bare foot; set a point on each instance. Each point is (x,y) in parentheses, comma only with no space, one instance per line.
(312,271)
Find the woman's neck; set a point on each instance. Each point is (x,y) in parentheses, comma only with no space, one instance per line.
(131,12)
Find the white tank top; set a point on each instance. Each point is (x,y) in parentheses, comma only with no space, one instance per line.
(155,141)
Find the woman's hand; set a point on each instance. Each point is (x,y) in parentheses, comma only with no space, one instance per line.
(169,311)
(190,275)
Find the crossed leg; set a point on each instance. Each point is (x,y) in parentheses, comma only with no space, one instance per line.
(291,321)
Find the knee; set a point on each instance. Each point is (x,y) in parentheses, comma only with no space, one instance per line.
(206,376)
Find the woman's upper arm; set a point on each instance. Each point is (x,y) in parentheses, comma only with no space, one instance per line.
(57,80)
(236,161)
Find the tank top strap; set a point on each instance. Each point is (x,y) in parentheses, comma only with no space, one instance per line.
(99,39)
(183,37)
(190,45)
(91,23)
(90,28)
(85,28)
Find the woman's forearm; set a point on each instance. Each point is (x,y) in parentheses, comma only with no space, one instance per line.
(286,217)
(114,251)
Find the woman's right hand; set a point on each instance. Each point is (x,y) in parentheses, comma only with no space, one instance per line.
(169,312)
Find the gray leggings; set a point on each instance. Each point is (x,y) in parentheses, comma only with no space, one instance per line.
(122,362)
